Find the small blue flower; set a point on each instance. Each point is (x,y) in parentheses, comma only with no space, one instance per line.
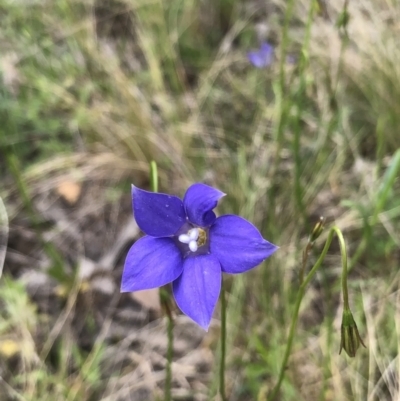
(263,57)
(186,244)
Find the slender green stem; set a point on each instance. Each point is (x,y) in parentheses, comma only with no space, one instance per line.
(299,298)
(299,99)
(165,301)
(283,104)
(153,176)
(223,345)
(326,362)
(306,252)
(170,352)
(380,142)
(316,232)
(284,43)
(343,252)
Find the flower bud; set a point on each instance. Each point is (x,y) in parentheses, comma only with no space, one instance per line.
(351,339)
(316,232)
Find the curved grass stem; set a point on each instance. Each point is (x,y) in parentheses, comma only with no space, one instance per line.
(299,298)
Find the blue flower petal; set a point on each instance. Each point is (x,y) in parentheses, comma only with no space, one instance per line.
(158,215)
(199,201)
(197,290)
(263,57)
(256,59)
(150,263)
(266,49)
(237,244)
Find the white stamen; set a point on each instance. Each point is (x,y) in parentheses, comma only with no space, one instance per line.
(193,245)
(194,234)
(184,238)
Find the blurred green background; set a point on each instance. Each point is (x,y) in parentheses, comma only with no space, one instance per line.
(92,91)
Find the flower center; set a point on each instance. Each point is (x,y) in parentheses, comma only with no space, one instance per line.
(196,237)
(202,237)
(192,240)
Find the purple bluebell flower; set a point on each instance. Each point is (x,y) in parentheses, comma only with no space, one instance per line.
(263,57)
(186,244)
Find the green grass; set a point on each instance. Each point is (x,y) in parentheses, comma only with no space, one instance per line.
(99,89)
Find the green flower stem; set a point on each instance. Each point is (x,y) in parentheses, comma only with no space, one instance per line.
(165,302)
(316,232)
(299,298)
(223,345)
(170,352)
(304,263)
(343,252)
(299,98)
(282,102)
(153,176)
